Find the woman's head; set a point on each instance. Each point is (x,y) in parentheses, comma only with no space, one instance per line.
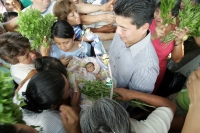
(12,5)
(46,90)
(66,10)
(174,12)
(107,115)
(63,35)
(49,63)
(14,48)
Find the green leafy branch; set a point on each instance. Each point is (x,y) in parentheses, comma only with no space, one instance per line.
(34,26)
(189,17)
(166,7)
(9,112)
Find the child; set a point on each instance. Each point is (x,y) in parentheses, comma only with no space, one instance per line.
(91,70)
(65,45)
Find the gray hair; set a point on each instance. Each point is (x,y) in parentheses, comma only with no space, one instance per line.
(105,116)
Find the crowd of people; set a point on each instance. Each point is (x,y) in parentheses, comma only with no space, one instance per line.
(137,57)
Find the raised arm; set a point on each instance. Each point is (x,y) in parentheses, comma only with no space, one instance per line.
(157,101)
(89,19)
(191,124)
(88,8)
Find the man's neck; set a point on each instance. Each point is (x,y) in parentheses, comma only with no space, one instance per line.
(142,37)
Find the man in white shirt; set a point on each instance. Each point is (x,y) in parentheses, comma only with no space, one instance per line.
(133,59)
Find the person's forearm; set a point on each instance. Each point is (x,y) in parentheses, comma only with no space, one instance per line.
(89,19)
(88,8)
(178,53)
(153,100)
(10,25)
(191,124)
(197,40)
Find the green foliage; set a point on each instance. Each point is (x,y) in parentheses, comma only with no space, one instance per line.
(189,17)
(1,19)
(95,89)
(9,112)
(34,26)
(166,7)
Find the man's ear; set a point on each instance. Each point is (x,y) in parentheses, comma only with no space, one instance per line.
(145,26)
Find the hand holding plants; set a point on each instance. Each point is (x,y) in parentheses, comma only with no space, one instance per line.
(180,35)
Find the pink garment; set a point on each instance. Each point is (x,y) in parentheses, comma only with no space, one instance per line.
(2,8)
(162,55)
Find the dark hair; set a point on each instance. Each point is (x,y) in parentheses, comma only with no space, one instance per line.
(11,128)
(49,63)
(62,29)
(7,16)
(13,45)
(176,8)
(89,63)
(140,11)
(62,8)
(196,1)
(44,89)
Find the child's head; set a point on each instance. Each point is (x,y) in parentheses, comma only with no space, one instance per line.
(14,48)
(7,16)
(49,63)
(66,10)
(63,35)
(90,67)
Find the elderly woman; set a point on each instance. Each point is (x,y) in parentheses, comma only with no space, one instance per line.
(108,116)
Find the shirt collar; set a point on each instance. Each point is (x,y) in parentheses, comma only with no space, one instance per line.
(137,47)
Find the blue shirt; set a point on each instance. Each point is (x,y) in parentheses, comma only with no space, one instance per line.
(135,67)
(57,53)
(77,31)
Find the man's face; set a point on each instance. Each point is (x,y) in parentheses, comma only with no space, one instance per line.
(128,32)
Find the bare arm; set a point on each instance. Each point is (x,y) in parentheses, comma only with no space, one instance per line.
(191,124)
(197,40)
(157,101)
(10,25)
(88,8)
(89,19)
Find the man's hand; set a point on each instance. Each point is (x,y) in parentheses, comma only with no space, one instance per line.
(124,94)
(69,119)
(193,86)
(65,60)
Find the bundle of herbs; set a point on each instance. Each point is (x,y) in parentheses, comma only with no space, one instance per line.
(34,26)
(9,112)
(189,17)
(166,7)
(97,89)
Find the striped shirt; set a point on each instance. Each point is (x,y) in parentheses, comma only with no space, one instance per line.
(135,67)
